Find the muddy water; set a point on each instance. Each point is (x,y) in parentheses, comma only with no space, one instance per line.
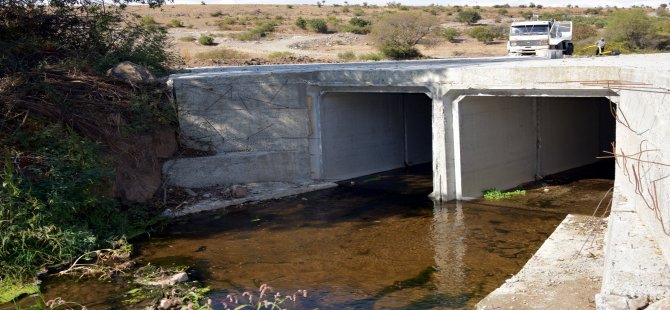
(377,242)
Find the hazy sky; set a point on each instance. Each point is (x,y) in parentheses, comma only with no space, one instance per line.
(581,3)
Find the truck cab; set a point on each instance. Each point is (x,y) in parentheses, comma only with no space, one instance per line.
(537,37)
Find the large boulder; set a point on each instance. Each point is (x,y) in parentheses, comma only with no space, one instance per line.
(131,73)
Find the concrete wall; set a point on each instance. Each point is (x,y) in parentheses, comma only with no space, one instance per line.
(364,133)
(507,141)
(498,143)
(259,130)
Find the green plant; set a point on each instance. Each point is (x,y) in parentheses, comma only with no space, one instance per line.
(318,25)
(495,194)
(469,16)
(633,27)
(141,44)
(397,34)
(148,21)
(358,26)
(482,34)
(451,34)
(175,23)
(206,40)
(216,13)
(257,33)
(301,23)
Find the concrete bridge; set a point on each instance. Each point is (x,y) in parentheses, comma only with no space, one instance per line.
(482,123)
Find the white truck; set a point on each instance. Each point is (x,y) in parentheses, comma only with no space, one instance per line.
(540,38)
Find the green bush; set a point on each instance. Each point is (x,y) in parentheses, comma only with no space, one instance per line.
(318,25)
(141,44)
(148,21)
(358,26)
(257,33)
(469,16)
(397,34)
(175,23)
(451,34)
(206,40)
(494,194)
(216,13)
(396,51)
(301,23)
(633,27)
(482,34)
(50,206)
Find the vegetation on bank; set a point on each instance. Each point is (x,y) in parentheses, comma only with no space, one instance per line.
(61,125)
(495,194)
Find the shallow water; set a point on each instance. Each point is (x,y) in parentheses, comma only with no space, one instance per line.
(376,242)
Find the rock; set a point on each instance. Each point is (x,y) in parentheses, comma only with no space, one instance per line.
(168,280)
(190,192)
(131,72)
(239,191)
(660,305)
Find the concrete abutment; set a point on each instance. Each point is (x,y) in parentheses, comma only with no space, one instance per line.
(493,123)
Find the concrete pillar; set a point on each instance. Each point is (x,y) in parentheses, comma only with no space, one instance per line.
(445,137)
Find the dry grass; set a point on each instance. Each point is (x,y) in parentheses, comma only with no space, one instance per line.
(221,54)
(225,22)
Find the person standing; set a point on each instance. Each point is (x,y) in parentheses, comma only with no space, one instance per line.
(600,46)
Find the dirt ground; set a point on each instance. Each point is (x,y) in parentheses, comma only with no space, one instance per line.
(291,44)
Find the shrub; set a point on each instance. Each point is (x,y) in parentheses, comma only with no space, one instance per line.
(358,12)
(358,26)
(469,16)
(301,22)
(140,44)
(206,40)
(257,33)
(633,27)
(397,34)
(482,34)
(451,34)
(583,30)
(216,13)
(175,23)
(148,21)
(318,25)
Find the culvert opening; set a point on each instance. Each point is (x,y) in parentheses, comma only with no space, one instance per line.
(366,133)
(509,141)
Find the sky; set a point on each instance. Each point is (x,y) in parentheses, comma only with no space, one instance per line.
(548,3)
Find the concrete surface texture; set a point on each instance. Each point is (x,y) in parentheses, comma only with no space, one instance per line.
(543,115)
(565,273)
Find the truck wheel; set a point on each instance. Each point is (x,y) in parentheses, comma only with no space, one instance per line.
(570,49)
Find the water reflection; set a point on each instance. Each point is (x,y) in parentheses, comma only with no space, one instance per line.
(448,235)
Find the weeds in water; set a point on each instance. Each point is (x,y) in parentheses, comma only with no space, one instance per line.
(264,300)
(495,194)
